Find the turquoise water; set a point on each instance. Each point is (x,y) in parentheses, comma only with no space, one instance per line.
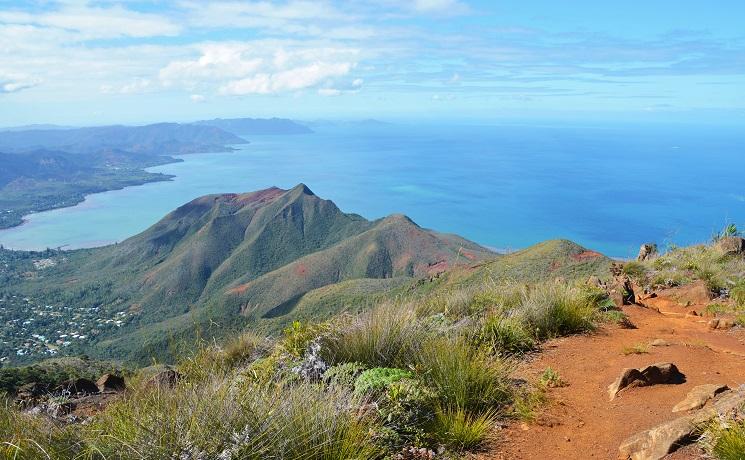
(608,187)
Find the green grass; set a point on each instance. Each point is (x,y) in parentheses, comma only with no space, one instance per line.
(461,430)
(636,349)
(725,439)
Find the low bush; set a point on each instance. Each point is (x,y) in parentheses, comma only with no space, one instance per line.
(377,380)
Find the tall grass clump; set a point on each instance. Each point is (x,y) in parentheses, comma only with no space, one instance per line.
(387,336)
(23,436)
(465,378)
(725,439)
(460,430)
(224,419)
(556,309)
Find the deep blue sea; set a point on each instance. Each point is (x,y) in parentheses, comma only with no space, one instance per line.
(609,187)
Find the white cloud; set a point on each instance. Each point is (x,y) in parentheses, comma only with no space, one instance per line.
(260,67)
(197,98)
(287,80)
(440,6)
(136,86)
(329,92)
(89,23)
(357,82)
(10,83)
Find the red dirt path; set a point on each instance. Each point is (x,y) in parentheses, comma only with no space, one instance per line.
(581,423)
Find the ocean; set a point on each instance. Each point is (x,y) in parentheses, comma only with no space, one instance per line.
(609,187)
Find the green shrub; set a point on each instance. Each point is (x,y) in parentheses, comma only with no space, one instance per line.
(505,335)
(377,380)
(551,379)
(461,430)
(343,375)
(406,408)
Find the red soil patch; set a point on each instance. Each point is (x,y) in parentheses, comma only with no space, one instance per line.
(586,255)
(468,255)
(260,197)
(300,269)
(579,420)
(438,267)
(238,290)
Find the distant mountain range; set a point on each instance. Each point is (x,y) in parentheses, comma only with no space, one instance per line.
(256,126)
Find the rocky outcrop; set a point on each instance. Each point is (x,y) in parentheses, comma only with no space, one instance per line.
(77,387)
(732,245)
(620,288)
(657,442)
(167,378)
(655,374)
(699,396)
(110,382)
(647,251)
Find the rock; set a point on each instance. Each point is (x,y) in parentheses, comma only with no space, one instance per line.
(655,374)
(647,251)
(721,323)
(660,343)
(167,378)
(110,382)
(656,443)
(699,396)
(77,387)
(732,245)
(672,299)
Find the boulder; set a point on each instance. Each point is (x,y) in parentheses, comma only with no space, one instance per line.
(167,378)
(657,442)
(77,387)
(732,245)
(647,251)
(699,396)
(721,323)
(660,343)
(655,374)
(110,382)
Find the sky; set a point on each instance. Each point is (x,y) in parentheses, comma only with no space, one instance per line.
(78,62)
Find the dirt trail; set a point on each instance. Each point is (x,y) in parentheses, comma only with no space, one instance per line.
(581,423)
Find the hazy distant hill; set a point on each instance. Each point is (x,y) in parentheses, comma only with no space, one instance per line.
(37,165)
(256,126)
(156,139)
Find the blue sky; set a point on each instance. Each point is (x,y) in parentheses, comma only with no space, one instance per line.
(95,62)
